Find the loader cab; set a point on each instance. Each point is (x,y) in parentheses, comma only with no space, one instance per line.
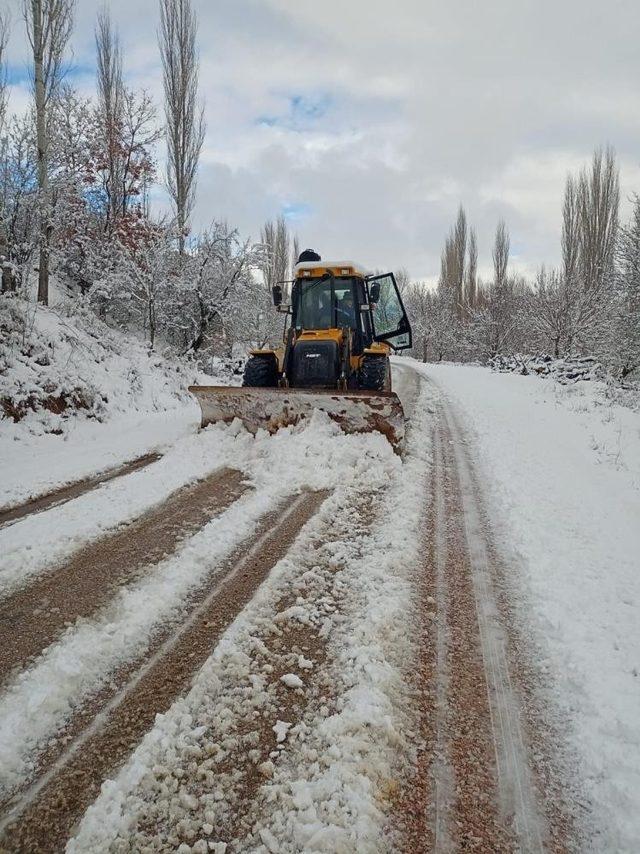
(343,296)
(327,302)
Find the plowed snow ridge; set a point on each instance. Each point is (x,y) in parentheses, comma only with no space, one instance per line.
(357,743)
(38,702)
(78,588)
(73,490)
(46,820)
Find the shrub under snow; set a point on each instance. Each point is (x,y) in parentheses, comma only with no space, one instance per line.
(570,369)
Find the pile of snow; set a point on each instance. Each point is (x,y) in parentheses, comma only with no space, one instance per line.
(58,365)
(570,369)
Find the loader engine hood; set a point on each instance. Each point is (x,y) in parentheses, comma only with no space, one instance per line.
(315,362)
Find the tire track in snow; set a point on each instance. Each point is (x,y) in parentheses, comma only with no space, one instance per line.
(45,814)
(473,786)
(517,797)
(426,800)
(56,497)
(554,770)
(32,617)
(468,818)
(443,773)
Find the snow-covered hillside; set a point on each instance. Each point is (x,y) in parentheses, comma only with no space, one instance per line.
(66,375)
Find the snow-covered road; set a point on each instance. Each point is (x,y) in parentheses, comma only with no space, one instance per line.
(560,468)
(348,652)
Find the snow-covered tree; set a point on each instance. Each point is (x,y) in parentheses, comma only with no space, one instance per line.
(19,192)
(220,293)
(625,349)
(133,286)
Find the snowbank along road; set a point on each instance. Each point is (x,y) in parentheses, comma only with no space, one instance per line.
(291,643)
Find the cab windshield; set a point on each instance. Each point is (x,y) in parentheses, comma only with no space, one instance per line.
(324,303)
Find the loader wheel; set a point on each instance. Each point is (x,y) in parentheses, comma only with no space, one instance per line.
(260,372)
(374,373)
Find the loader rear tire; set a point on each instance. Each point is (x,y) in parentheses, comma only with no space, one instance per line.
(375,373)
(260,372)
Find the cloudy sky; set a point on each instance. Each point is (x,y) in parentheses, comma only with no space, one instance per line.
(366,123)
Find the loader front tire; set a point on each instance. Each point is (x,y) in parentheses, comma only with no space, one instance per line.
(260,372)
(375,373)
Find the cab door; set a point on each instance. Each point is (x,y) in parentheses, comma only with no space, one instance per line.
(388,315)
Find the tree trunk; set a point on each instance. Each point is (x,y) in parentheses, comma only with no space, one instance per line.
(8,279)
(41,144)
(197,341)
(152,324)
(181,229)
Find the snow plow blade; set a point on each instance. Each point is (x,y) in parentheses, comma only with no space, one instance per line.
(272,408)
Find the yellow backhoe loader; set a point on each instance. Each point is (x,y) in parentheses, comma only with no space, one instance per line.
(334,356)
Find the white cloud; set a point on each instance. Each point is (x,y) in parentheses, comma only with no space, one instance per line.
(408,110)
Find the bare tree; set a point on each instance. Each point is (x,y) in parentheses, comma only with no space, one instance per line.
(4,38)
(185,118)
(570,232)
(4,242)
(598,202)
(452,262)
(403,279)
(460,233)
(274,236)
(471,279)
(139,134)
(49,24)
(501,255)
(419,302)
(111,103)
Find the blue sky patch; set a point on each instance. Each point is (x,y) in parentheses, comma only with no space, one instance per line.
(294,211)
(301,113)
(19,73)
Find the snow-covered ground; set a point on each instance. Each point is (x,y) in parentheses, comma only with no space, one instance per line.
(64,358)
(561,468)
(38,701)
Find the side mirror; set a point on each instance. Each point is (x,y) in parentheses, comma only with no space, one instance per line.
(276,290)
(374,292)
